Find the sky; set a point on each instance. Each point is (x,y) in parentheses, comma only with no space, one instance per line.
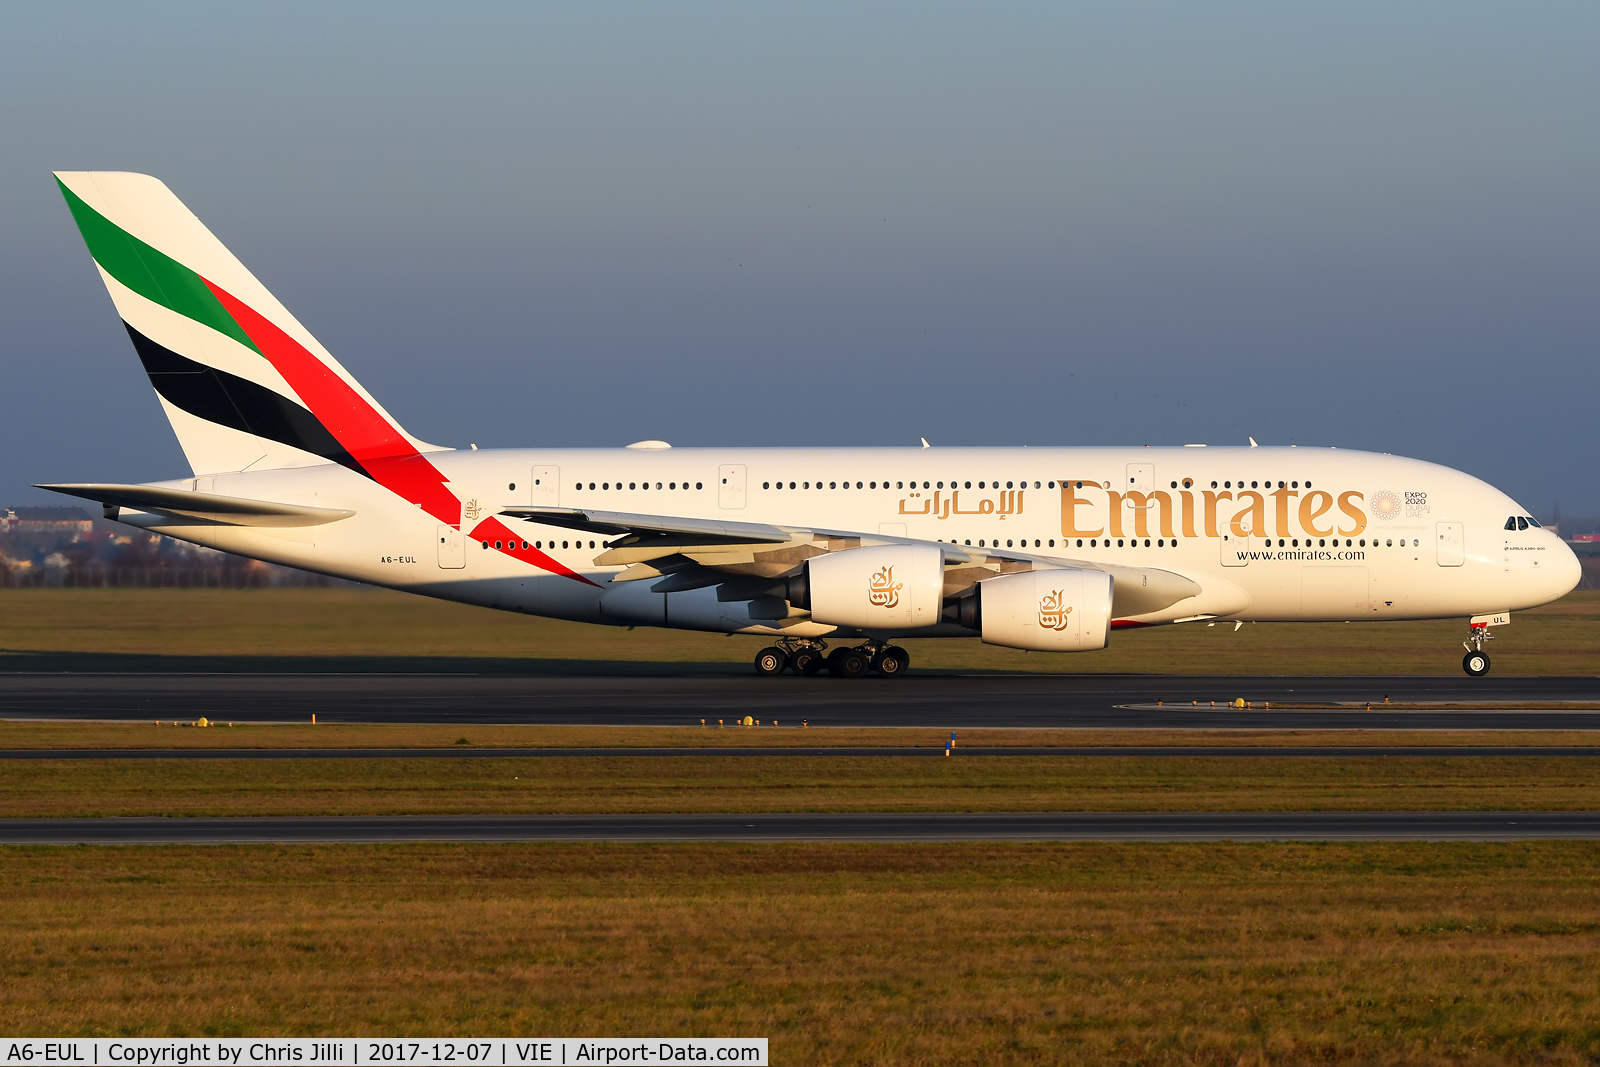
(1368,225)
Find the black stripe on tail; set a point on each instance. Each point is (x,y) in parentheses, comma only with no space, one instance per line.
(235,402)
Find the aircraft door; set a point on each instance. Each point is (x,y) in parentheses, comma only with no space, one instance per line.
(452,549)
(730,485)
(1452,543)
(1141,478)
(1232,548)
(545,487)
(1335,592)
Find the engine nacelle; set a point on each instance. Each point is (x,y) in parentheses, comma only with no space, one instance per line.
(889,587)
(1067,610)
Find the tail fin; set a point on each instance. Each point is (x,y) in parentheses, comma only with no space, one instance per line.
(243,383)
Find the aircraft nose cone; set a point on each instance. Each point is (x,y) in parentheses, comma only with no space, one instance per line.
(1568,571)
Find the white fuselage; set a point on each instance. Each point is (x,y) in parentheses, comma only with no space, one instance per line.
(1266,533)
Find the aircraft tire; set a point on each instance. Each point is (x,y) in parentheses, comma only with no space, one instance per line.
(892,663)
(1476,664)
(806,661)
(848,663)
(771,661)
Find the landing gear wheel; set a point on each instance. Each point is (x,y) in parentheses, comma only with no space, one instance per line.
(892,663)
(771,661)
(849,663)
(1476,664)
(806,661)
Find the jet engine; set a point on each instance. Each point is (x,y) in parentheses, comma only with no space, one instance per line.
(1066,610)
(888,587)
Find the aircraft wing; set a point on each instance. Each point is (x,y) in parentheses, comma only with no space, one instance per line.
(204,508)
(624,523)
(747,559)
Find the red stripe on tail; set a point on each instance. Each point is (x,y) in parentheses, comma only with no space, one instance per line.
(374,442)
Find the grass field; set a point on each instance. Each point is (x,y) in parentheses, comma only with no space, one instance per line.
(614,784)
(1419,953)
(358,629)
(31,734)
(868,954)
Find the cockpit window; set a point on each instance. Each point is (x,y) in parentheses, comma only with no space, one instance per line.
(1522,522)
(1534,523)
(1511,523)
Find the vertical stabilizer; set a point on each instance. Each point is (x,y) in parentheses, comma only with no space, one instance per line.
(243,383)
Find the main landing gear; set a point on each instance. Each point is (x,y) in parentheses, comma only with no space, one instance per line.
(1476,661)
(804,655)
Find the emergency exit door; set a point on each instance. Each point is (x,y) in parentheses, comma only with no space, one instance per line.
(1452,543)
(730,485)
(452,549)
(545,487)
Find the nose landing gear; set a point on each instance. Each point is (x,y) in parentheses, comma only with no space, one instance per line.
(1476,661)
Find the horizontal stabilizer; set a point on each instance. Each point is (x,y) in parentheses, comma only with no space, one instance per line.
(208,508)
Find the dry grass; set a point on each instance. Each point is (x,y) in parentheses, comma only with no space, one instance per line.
(610,784)
(25,734)
(277,629)
(882,954)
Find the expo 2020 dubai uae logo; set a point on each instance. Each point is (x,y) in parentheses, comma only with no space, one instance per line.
(1385,505)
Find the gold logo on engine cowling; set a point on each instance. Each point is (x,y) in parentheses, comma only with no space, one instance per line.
(1053,614)
(882,590)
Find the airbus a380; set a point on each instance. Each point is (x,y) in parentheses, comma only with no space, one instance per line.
(1046,549)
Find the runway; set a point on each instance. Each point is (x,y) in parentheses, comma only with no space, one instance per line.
(1125,752)
(900,826)
(948,701)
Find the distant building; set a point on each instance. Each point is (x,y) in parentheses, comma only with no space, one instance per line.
(46,520)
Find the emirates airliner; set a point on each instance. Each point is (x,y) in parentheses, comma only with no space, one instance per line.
(1047,549)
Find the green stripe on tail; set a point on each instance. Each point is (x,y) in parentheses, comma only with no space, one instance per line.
(150,272)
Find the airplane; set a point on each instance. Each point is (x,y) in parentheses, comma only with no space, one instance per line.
(830,553)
